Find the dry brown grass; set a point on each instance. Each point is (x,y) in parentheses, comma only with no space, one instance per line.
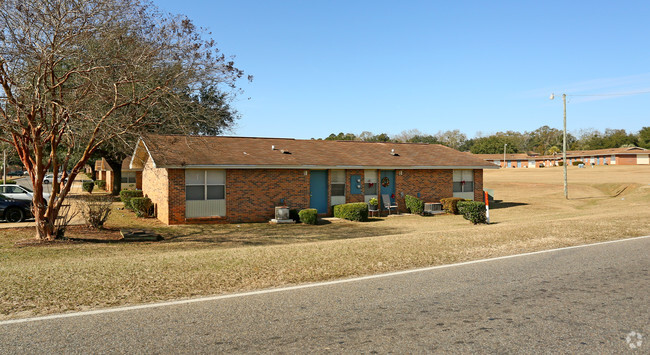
(606,203)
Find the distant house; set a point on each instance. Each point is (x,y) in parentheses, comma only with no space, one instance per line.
(196,179)
(611,156)
(131,178)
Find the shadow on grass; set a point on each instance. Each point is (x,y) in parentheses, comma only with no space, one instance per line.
(498,204)
(258,234)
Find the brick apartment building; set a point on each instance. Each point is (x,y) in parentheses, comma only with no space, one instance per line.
(609,156)
(131,178)
(196,179)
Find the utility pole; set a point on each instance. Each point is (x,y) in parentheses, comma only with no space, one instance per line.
(4,166)
(566,188)
(505,165)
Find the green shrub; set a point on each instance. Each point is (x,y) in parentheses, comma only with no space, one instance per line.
(560,163)
(308,215)
(88,186)
(474,211)
(127,195)
(141,206)
(450,204)
(542,166)
(8,181)
(414,204)
(352,211)
(373,201)
(100,184)
(577,162)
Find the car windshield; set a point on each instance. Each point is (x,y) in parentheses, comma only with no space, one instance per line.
(27,189)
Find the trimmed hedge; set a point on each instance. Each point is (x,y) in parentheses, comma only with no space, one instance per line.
(308,215)
(141,206)
(127,195)
(357,211)
(100,184)
(414,204)
(474,211)
(8,182)
(577,162)
(450,204)
(88,186)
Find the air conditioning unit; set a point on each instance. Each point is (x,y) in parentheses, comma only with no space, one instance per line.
(431,208)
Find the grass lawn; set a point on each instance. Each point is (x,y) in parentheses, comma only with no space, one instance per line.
(606,202)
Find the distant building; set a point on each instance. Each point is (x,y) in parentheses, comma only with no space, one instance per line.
(131,178)
(610,156)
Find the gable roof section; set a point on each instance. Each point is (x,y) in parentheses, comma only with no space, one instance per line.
(173,151)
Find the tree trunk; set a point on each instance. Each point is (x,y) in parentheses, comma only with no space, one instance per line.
(116,165)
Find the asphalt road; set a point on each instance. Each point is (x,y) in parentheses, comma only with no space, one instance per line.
(580,300)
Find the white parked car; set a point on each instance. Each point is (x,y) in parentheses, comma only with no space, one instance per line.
(18,192)
(48,178)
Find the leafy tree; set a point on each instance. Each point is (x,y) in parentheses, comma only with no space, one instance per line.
(205,112)
(493,145)
(423,139)
(341,137)
(78,74)
(382,137)
(644,137)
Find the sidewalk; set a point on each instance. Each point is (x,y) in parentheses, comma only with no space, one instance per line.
(76,220)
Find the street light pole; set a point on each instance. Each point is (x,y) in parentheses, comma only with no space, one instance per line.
(566,188)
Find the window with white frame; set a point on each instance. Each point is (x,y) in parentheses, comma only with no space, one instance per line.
(337,187)
(202,185)
(463,180)
(370,183)
(128,177)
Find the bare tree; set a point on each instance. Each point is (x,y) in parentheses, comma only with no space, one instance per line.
(77,74)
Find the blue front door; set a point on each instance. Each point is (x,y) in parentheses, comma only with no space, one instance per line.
(318,190)
(387,184)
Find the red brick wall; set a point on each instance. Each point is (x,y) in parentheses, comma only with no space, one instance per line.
(431,184)
(626,160)
(478,185)
(176,178)
(252,194)
(349,197)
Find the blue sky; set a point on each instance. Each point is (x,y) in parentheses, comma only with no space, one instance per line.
(388,66)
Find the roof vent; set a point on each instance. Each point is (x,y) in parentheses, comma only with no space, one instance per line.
(272,147)
(285,151)
(392,152)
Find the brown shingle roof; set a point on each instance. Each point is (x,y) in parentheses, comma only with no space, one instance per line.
(178,151)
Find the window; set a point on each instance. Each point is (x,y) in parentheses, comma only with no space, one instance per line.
(463,180)
(201,185)
(370,183)
(128,177)
(337,187)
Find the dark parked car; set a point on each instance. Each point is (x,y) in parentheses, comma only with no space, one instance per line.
(14,210)
(15,173)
